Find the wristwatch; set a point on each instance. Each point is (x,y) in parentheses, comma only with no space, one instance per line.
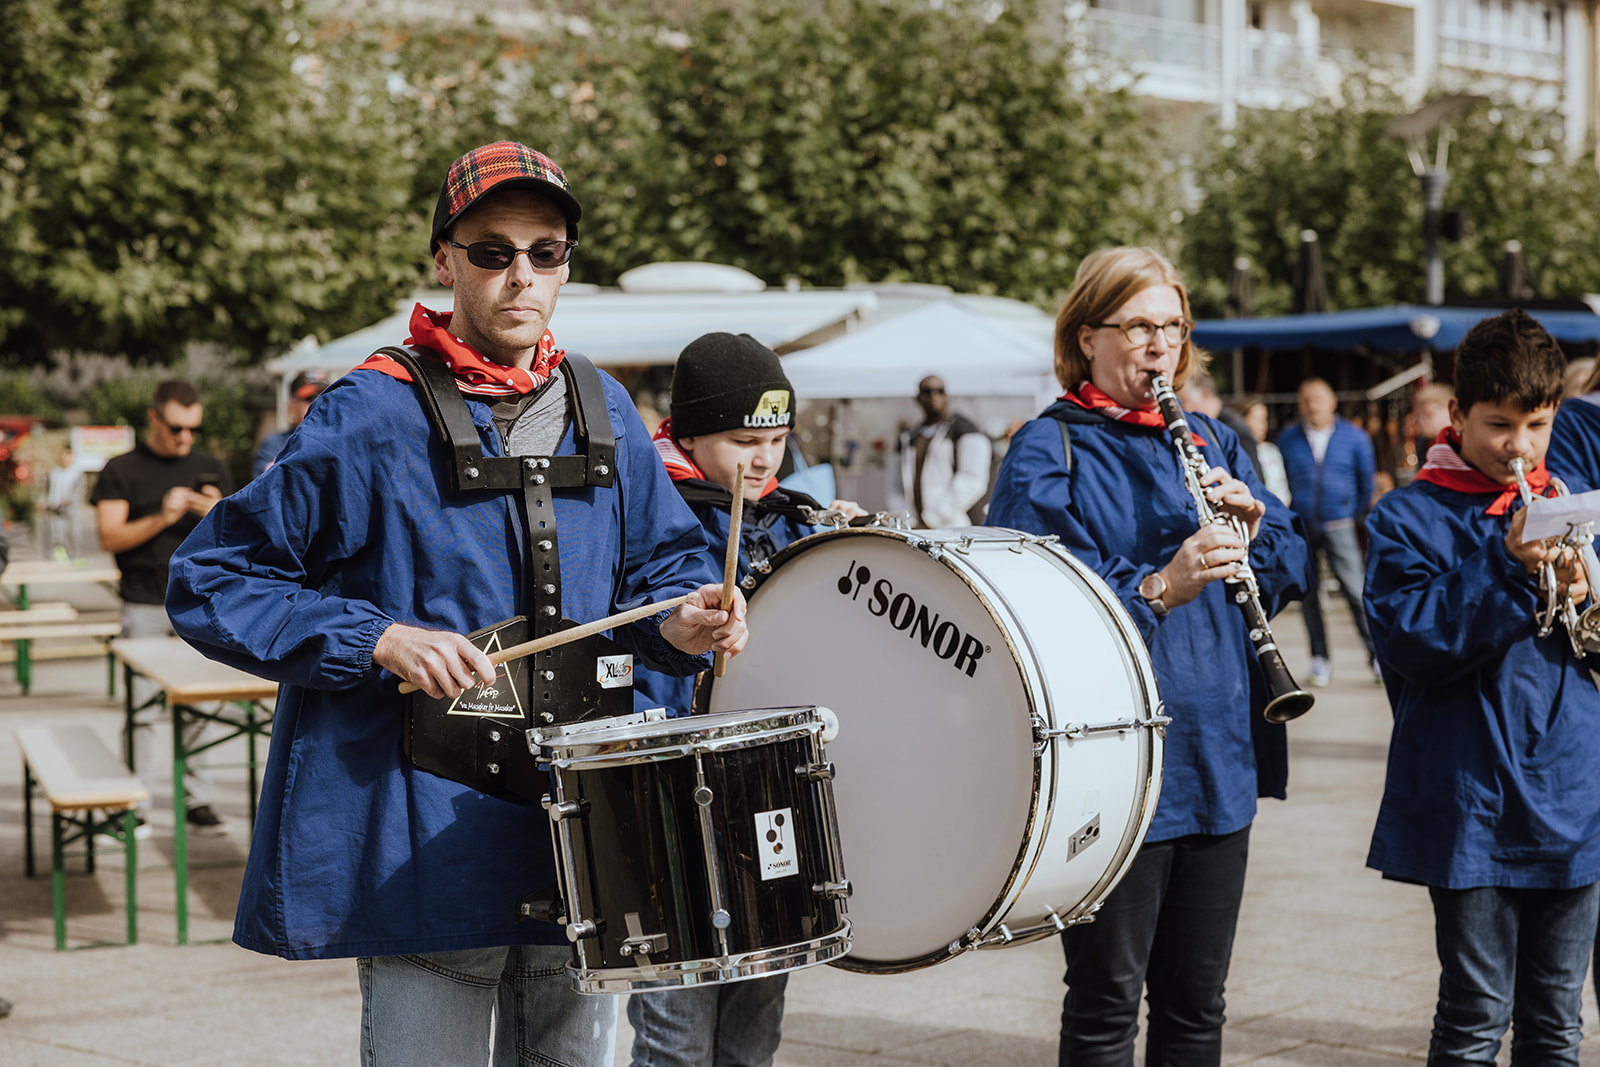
(1152,589)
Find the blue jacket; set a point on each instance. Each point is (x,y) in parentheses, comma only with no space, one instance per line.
(1574,452)
(1338,488)
(762,532)
(1491,778)
(1124,511)
(296,576)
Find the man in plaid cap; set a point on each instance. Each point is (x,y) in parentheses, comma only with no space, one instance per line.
(361,557)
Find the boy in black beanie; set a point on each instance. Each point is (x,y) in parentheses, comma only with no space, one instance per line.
(731,404)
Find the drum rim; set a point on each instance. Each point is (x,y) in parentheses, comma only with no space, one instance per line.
(955,542)
(672,738)
(715,970)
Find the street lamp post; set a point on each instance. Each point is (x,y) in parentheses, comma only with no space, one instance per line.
(1413,129)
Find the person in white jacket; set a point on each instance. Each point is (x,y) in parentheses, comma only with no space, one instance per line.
(942,467)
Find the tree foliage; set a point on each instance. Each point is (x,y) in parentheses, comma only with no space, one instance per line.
(1331,169)
(166,175)
(856,140)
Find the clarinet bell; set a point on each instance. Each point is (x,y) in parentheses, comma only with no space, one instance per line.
(1286,700)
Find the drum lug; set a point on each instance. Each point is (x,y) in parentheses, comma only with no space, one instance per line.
(832,890)
(585,928)
(816,772)
(966,944)
(639,943)
(567,809)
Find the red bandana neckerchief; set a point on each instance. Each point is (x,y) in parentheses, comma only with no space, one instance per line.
(474,374)
(1091,398)
(680,468)
(1445,467)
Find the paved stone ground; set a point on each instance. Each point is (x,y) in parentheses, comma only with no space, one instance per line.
(1333,966)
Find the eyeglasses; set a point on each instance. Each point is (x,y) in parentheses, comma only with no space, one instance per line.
(174,428)
(1140,332)
(498,255)
(931,390)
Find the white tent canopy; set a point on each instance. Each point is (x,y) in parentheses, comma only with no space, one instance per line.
(975,354)
(615,328)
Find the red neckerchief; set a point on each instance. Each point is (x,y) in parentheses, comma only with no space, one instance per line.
(1445,467)
(474,374)
(1091,398)
(679,466)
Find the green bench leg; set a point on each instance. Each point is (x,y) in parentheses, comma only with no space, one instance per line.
(58,880)
(131,846)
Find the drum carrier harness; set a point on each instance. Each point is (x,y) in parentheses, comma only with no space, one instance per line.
(480,738)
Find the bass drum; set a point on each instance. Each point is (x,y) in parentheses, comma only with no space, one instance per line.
(1000,734)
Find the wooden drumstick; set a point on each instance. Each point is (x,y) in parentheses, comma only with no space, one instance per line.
(730,566)
(540,644)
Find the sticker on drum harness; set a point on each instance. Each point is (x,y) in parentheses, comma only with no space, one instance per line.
(614,672)
(497,697)
(775,844)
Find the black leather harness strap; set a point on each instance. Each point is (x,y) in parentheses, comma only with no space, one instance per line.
(535,476)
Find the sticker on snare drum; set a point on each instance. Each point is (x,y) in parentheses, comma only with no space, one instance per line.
(498,697)
(614,672)
(775,844)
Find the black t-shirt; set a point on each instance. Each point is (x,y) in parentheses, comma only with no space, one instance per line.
(142,478)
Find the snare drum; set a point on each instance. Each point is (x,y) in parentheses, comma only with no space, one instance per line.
(696,850)
(999,747)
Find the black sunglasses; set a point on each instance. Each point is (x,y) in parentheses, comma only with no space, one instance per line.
(175,428)
(498,255)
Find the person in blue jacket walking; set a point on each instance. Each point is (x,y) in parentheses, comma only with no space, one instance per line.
(731,404)
(361,557)
(1491,798)
(1097,470)
(1329,463)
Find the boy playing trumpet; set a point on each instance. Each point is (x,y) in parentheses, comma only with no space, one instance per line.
(1491,799)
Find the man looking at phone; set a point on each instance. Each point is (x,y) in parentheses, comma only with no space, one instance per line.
(146,502)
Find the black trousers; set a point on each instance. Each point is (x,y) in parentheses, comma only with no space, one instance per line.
(1168,926)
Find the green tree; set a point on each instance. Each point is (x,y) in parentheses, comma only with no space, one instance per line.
(1330,168)
(172,172)
(857,140)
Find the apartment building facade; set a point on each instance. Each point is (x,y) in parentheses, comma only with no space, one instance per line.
(1202,58)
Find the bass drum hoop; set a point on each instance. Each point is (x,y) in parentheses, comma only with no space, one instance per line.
(947,548)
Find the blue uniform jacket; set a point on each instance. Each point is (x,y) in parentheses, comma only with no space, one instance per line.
(1574,452)
(295,577)
(1124,511)
(1492,764)
(1338,488)
(760,537)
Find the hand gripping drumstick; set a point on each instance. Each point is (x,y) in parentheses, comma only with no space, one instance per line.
(730,568)
(528,648)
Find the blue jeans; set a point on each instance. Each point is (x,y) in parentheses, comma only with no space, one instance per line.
(1168,925)
(1338,543)
(732,1025)
(1511,957)
(434,1010)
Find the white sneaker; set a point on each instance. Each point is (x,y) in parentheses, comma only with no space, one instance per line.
(1321,675)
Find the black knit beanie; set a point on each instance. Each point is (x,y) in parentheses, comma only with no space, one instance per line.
(727,381)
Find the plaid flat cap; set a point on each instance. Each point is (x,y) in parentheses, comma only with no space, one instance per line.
(502,165)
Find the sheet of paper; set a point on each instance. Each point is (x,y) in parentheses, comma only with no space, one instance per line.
(1555,516)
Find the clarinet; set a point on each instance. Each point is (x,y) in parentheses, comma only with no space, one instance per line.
(1285,699)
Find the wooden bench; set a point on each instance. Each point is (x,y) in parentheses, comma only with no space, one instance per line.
(23,631)
(90,791)
(45,621)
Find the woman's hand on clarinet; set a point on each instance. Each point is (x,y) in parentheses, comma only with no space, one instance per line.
(701,625)
(440,663)
(1233,498)
(1211,553)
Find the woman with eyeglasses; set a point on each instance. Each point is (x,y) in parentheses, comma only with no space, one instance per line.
(1097,470)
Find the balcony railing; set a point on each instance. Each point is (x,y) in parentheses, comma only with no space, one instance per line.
(1170,43)
(1483,50)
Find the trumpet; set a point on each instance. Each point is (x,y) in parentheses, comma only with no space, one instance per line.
(1583,628)
(1285,699)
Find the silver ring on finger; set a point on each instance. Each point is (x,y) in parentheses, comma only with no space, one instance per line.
(1205,564)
